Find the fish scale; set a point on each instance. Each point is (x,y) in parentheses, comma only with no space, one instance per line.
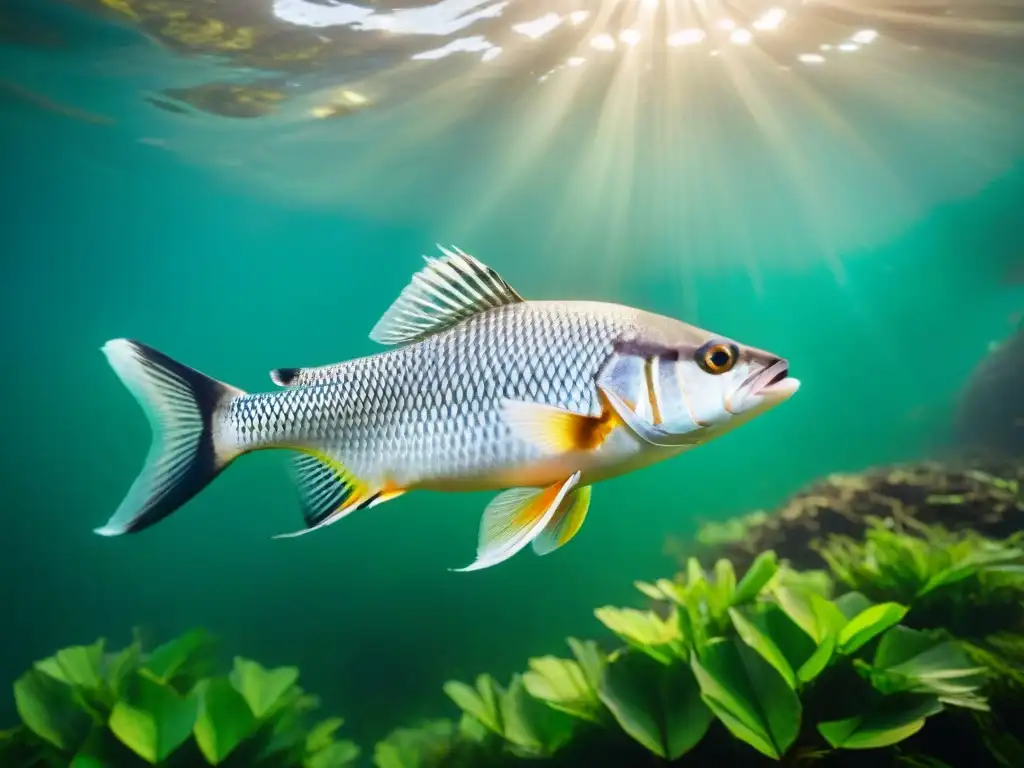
(455,381)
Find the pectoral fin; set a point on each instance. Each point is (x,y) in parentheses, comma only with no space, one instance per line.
(566,522)
(515,518)
(556,429)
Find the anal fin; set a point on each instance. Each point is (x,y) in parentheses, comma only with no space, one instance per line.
(565,524)
(516,517)
(328,491)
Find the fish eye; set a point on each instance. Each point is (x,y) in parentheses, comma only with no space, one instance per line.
(717,357)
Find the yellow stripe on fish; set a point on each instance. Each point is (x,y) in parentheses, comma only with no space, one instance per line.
(482,390)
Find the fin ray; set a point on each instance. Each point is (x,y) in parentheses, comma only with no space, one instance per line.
(185,455)
(566,523)
(514,518)
(445,292)
(557,429)
(329,491)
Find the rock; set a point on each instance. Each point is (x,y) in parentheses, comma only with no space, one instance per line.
(990,416)
(980,494)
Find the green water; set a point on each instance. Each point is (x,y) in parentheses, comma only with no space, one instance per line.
(106,237)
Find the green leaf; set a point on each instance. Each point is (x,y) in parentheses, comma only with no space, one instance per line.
(811,582)
(427,745)
(644,630)
(263,690)
(472,730)
(335,755)
(868,624)
(754,580)
(659,706)
(852,604)
(562,684)
(152,719)
(591,659)
(901,644)
(121,665)
(224,720)
(830,619)
(725,584)
(480,704)
(321,735)
(79,666)
(941,659)
(50,710)
(893,720)
(797,605)
(189,655)
(649,590)
(530,724)
(287,731)
(907,660)
(748,695)
(818,660)
(764,645)
(815,615)
(694,573)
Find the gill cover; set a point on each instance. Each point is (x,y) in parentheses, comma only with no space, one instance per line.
(641,384)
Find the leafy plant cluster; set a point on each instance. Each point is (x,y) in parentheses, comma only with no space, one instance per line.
(965,582)
(971,586)
(808,667)
(86,708)
(771,659)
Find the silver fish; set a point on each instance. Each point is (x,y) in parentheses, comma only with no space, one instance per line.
(483,390)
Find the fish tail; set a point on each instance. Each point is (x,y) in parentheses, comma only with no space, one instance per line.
(188,451)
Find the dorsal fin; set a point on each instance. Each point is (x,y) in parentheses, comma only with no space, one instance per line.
(442,294)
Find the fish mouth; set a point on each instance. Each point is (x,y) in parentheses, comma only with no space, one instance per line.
(774,382)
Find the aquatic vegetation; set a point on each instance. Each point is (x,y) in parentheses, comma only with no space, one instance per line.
(971,586)
(88,708)
(770,659)
(978,494)
(847,665)
(963,577)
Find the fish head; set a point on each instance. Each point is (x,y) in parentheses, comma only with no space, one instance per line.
(685,388)
(723,381)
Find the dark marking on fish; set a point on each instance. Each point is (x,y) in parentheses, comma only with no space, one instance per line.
(648,350)
(284,376)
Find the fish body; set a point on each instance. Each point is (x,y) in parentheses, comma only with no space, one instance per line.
(483,391)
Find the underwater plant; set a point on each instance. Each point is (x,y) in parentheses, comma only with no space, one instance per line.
(966,583)
(87,708)
(764,668)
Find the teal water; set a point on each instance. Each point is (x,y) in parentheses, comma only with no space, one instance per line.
(106,236)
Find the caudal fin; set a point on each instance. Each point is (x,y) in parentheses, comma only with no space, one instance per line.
(185,456)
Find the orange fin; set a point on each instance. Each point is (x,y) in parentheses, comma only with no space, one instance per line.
(566,522)
(515,518)
(556,429)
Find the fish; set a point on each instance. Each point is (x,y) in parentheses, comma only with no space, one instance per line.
(480,390)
